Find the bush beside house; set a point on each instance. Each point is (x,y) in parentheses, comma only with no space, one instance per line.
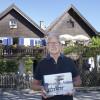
(8,66)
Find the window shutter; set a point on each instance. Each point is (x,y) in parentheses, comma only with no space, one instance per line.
(43,43)
(21,41)
(4,41)
(31,42)
(9,41)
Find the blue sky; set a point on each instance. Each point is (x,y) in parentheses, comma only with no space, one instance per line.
(49,10)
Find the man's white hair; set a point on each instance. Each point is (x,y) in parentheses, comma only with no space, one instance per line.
(50,36)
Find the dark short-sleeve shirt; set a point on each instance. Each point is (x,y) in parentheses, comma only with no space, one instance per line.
(48,66)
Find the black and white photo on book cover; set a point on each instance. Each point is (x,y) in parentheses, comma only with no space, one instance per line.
(58,84)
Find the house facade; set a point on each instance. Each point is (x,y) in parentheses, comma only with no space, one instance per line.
(72,26)
(18,28)
(20,36)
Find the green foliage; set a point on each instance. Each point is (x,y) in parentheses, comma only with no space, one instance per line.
(2,66)
(73,49)
(68,50)
(91,51)
(12,66)
(8,66)
(38,56)
(28,63)
(85,51)
(95,42)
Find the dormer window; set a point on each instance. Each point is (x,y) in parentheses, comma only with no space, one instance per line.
(13,23)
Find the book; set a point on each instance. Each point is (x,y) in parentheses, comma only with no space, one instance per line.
(58,84)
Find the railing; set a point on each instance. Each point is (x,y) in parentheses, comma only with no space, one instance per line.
(6,51)
(16,81)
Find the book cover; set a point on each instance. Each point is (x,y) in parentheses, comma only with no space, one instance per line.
(58,84)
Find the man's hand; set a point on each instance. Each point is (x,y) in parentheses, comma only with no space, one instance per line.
(71,93)
(43,93)
(77,81)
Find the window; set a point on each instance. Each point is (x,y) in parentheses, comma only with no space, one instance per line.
(13,23)
(15,40)
(0,41)
(70,23)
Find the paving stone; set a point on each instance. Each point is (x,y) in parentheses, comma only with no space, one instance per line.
(32,95)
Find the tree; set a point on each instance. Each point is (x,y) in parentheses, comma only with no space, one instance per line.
(95,41)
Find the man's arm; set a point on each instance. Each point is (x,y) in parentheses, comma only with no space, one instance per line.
(77,80)
(37,85)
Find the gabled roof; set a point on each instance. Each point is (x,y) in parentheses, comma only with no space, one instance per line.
(14,7)
(79,18)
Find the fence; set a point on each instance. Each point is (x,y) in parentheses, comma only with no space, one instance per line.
(20,51)
(90,78)
(90,73)
(89,69)
(16,81)
(89,66)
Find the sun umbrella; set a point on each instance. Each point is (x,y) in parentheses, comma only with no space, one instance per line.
(66,37)
(81,37)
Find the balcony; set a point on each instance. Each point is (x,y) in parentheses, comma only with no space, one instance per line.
(20,51)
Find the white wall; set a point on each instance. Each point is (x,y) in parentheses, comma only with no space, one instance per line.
(25,41)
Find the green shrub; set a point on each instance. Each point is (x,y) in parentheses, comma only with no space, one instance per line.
(2,66)
(8,66)
(28,63)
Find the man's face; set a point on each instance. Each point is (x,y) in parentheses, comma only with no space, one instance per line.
(54,47)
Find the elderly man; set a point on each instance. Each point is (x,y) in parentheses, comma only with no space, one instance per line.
(55,63)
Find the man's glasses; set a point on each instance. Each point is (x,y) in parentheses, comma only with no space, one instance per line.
(53,43)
